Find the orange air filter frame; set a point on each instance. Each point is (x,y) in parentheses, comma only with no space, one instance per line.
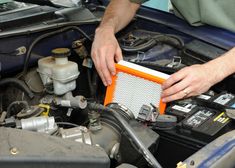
(138,71)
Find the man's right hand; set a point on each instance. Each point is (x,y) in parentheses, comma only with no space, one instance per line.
(105,51)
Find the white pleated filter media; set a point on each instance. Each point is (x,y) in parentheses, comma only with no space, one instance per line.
(133,92)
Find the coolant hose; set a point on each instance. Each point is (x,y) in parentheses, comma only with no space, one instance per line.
(17,83)
(145,152)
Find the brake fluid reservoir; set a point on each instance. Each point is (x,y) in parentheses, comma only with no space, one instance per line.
(64,72)
(45,69)
(59,70)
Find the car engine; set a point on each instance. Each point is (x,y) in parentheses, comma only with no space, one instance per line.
(51,97)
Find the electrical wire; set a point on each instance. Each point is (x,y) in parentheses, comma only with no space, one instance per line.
(67,123)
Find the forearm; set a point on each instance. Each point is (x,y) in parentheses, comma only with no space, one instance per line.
(118,14)
(222,66)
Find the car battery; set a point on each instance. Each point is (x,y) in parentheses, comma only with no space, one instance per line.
(200,121)
(204,124)
(182,109)
(221,100)
(225,99)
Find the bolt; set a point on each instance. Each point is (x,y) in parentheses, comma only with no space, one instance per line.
(192,162)
(14,151)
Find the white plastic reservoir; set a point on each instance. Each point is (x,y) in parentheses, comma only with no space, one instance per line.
(57,70)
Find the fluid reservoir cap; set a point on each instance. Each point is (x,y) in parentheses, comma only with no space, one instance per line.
(61,52)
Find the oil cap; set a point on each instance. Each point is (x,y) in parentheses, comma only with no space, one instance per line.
(61,52)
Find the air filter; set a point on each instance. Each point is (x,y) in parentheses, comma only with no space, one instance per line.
(135,86)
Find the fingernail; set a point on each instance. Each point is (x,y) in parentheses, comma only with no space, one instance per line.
(109,82)
(105,84)
(164,100)
(113,73)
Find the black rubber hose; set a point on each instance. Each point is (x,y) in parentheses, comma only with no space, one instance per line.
(16,103)
(170,40)
(18,84)
(145,152)
(150,42)
(28,54)
(90,84)
(142,47)
(95,81)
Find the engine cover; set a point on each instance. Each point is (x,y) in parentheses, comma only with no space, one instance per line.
(24,149)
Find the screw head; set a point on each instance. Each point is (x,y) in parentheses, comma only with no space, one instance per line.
(14,151)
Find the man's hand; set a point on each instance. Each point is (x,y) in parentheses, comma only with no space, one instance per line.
(105,51)
(187,82)
(197,79)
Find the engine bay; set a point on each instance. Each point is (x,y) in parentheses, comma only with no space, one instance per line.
(51,99)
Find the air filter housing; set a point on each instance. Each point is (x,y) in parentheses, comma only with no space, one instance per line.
(135,86)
